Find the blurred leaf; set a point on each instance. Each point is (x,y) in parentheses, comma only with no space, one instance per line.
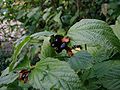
(21,14)
(72,20)
(18,50)
(5,72)
(7,79)
(45,16)
(14,86)
(32,12)
(57,18)
(41,35)
(61,32)
(116,28)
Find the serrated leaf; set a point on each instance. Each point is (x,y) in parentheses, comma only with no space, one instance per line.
(81,60)
(46,49)
(100,53)
(52,73)
(100,69)
(7,79)
(111,80)
(93,32)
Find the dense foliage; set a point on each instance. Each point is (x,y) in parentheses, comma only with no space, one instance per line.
(35,64)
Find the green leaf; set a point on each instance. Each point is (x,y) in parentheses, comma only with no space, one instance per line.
(57,18)
(15,86)
(32,12)
(93,32)
(81,60)
(19,47)
(3,88)
(61,31)
(116,28)
(41,35)
(100,53)
(111,80)
(7,79)
(52,73)
(47,13)
(21,14)
(5,72)
(46,49)
(22,63)
(18,50)
(100,69)
(72,20)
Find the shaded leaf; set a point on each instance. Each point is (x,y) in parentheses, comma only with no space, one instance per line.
(46,49)
(111,80)
(22,63)
(81,60)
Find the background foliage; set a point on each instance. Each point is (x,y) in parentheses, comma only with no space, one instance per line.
(25,30)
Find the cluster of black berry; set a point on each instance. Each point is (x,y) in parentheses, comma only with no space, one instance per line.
(23,75)
(58,43)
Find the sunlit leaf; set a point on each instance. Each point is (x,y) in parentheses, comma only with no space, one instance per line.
(52,73)
(41,35)
(18,50)
(7,79)
(93,32)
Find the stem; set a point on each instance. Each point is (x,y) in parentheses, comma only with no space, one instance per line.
(85,46)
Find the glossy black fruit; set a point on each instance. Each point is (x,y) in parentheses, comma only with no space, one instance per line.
(57,42)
